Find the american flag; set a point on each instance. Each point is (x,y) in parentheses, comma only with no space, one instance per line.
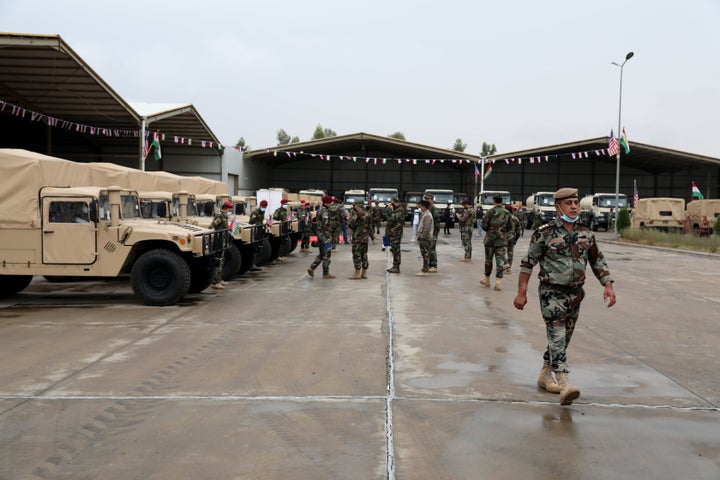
(613,145)
(636,197)
(477,173)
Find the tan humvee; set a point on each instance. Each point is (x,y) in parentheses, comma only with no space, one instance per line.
(56,226)
(702,214)
(661,213)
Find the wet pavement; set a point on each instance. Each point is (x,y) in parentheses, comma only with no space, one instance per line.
(397,376)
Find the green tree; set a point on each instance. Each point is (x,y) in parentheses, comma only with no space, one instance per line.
(488,150)
(397,135)
(282,137)
(240,143)
(321,132)
(295,140)
(459,145)
(623,219)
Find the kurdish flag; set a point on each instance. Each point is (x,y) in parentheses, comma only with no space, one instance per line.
(156,146)
(696,193)
(624,141)
(488,171)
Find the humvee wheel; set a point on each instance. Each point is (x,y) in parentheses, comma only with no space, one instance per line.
(247,255)
(265,253)
(233,262)
(285,246)
(160,277)
(294,238)
(200,275)
(12,284)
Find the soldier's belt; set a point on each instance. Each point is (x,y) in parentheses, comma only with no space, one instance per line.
(562,288)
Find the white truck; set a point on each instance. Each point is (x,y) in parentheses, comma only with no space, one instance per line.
(661,213)
(540,208)
(485,199)
(382,196)
(598,208)
(81,231)
(351,197)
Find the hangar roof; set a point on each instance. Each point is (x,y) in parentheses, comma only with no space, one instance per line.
(42,74)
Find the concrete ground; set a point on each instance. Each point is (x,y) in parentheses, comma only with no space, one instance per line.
(394,377)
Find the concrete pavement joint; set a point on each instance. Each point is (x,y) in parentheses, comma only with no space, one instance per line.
(390,449)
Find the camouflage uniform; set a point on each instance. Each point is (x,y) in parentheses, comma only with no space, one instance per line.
(394,231)
(257,217)
(219,222)
(280,214)
(377,218)
(337,214)
(467,222)
(360,223)
(496,224)
(520,214)
(436,231)
(563,257)
(512,238)
(324,234)
(424,237)
(305,225)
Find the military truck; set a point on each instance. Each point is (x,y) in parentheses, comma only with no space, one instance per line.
(701,215)
(93,232)
(540,208)
(598,207)
(382,196)
(411,200)
(662,213)
(485,199)
(351,197)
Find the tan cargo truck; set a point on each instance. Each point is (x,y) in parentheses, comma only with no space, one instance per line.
(701,215)
(58,231)
(661,213)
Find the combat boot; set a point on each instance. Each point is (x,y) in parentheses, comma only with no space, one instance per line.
(432,269)
(355,276)
(393,269)
(328,275)
(485,282)
(465,260)
(422,273)
(498,284)
(546,380)
(363,274)
(568,392)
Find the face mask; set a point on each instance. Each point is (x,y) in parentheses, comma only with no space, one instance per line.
(262,208)
(227,214)
(568,219)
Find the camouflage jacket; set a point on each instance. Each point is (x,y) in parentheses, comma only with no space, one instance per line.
(515,230)
(497,224)
(360,224)
(467,217)
(280,214)
(323,219)
(377,214)
(219,222)
(563,255)
(395,220)
(436,220)
(257,217)
(337,217)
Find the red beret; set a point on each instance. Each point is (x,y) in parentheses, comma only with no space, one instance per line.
(227,204)
(284,201)
(327,199)
(263,203)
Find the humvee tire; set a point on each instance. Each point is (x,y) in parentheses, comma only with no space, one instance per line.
(265,253)
(200,275)
(294,239)
(233,262)
(248,257)
(12,284)
(285,246)
(160,277)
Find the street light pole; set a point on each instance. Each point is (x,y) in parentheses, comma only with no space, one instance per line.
(617,163)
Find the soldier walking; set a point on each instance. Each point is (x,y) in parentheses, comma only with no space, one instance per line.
(467,222)
(496,224)
(394,231)
(512,238)
(361,223)
(305,225)
(562,248)
(324,235)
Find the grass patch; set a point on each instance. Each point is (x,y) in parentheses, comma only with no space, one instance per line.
(672,240)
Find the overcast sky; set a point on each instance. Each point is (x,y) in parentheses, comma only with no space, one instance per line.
(517,73)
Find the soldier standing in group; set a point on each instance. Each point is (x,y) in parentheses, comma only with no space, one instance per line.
(220,222)
(496,224)
(563,249)
(257,217)
(324,234)
(394,230)
(512,238)
(360,222)
(424,236)
(520,214)
(281,215)
(432,266)
(467,222)
(305,224)
(337,217)
(377,218)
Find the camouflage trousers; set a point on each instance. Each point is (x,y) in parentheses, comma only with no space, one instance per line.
(497,253)
(510,252)
(425,245)
(217,267)
(466,238)
(305,239)
(433,252)
(560,308)
(395,249)
(360,255)
(323,257)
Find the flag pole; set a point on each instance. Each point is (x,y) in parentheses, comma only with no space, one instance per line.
(482,176)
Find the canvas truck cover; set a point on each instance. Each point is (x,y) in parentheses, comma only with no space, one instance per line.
(709,208)
(23,174)
(199,185)
(650,208)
